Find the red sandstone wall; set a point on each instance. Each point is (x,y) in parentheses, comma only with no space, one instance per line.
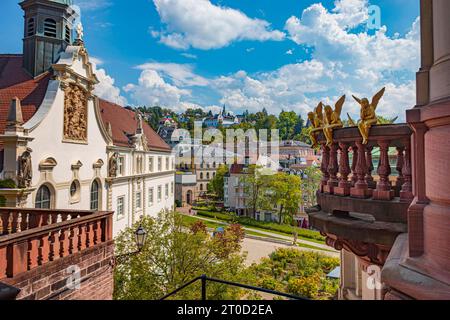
(50,281)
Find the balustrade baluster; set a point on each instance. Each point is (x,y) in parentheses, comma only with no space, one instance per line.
(64,243)
(369,166)
(406,192)
(384,189)
(3,261)
(90,235)
(399,168)
(19,222)
(98,232)
(324,167)
(74,240)
(54,246)
(44,249)
(10,223)
(354,161)
(1,225)
(82,237)
(343,189)
(332,170)
(33,253)
(360,190)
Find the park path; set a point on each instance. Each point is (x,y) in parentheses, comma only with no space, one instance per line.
(258,249)
(271,234)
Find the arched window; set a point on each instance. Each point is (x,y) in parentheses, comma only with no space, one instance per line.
(31,27)
(201,175)
(50,28)
(201,187)
(43,198)
(94,195)
(207,175)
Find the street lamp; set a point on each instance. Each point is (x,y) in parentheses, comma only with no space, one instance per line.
(141,236)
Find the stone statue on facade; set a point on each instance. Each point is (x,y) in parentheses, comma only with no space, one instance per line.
(368,114)
(25,172)
(113,165)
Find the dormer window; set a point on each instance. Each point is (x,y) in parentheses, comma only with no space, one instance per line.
(31,27)
(50,28)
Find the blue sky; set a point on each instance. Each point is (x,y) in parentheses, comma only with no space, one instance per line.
(247,54)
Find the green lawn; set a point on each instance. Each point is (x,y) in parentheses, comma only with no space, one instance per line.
(190,220)
(303,234)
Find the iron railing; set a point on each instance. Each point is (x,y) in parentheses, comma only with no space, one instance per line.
(204,279)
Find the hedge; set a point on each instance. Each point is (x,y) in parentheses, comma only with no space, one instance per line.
(283,228)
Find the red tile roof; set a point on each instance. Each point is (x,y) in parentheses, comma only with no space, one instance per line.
(236,168)
(123,122)
(15,82)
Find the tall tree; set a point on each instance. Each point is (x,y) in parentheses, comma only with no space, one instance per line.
(216,184)
(173,256)
(285,191)
(286,124)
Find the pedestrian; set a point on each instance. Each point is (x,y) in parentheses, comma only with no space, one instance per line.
(295,238)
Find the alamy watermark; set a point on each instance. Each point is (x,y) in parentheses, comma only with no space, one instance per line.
(73,282)
(210,147)
(374,20)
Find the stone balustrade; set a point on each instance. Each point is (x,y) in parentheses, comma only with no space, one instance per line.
(358,179)
(31,237)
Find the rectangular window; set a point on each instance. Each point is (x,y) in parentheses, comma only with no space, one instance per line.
(159,164)
(138,200)
(121,166)
(150,197)
(150,164)
(159,193)
(120,207)
(167,163)
(167,190)
(171,188)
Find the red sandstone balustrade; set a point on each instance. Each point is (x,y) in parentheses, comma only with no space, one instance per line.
(14,220)
(363,183)
(25,248)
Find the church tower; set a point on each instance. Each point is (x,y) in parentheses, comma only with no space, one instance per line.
(47,32)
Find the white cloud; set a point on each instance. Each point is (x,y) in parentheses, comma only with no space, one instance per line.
(203,25)
(179,74)
(153,90)
(88,5)
(189,55)
(343,62)
(106,88)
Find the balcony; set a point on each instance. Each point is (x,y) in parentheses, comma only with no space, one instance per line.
(32,240)
(360,209)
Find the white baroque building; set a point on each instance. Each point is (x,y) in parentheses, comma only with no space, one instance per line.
(61,147)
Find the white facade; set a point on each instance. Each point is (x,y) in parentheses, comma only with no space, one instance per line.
(76,173)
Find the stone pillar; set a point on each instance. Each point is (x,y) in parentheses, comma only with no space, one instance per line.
(440,71)
(426,251)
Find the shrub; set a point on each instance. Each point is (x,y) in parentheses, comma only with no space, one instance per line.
(8,184)
(287,229)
